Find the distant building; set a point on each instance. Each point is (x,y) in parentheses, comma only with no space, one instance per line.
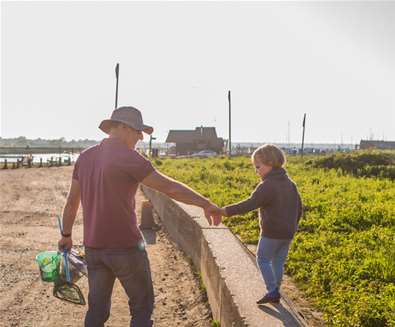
(190,141)
(365,144)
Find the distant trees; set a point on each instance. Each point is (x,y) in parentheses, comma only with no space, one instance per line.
(22,141)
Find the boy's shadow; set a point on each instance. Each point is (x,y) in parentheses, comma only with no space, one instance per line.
(282,314)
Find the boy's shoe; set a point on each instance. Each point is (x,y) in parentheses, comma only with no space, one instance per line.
(271,297)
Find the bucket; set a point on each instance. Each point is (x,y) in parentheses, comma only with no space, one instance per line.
(48,263)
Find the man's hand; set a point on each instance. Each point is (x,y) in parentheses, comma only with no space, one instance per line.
(213,214)
(65,243)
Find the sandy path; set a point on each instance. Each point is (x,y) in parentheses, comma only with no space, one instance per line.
(29,203)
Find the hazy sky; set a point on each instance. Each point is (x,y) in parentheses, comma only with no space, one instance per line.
(334,61)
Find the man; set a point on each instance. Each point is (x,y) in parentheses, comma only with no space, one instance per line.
(105,180)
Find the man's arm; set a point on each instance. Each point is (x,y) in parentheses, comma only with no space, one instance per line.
(181,192)
(69,214)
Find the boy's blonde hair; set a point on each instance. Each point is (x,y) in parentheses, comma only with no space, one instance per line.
(270,155)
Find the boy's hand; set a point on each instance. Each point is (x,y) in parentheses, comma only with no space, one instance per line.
(223,212)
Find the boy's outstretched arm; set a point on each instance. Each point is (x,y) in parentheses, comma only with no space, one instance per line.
(241,207)
(259,198)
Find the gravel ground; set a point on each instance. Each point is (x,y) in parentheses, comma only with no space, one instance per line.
(30,201)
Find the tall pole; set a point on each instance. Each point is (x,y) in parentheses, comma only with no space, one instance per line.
(304,127)
(230,124)
(151,138)
(116,88)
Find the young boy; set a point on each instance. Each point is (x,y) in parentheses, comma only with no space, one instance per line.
(280,209)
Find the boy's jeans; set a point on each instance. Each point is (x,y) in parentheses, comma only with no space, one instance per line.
(131,267)
(271,256)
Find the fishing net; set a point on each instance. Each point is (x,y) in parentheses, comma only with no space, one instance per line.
(69,292)
(64,287)
(53,269)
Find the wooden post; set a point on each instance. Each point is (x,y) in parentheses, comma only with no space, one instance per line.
(304,125)
(116,87)
(147,217)
(230,124)
(151,138)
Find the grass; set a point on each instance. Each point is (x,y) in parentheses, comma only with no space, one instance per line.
(343,256)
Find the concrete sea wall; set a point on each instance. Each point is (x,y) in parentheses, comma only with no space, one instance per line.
(232,279)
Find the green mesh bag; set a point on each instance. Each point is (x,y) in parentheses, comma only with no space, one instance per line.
(48,264)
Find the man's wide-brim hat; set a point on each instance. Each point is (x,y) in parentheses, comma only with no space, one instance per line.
(127,115)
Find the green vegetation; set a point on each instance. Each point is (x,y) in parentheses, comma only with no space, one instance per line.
(363,164)
(343,256)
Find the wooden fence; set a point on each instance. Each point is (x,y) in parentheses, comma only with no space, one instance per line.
(28,163)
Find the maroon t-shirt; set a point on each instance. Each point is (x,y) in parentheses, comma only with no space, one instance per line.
(109,174)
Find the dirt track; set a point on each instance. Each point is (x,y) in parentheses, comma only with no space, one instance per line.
(29,203)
